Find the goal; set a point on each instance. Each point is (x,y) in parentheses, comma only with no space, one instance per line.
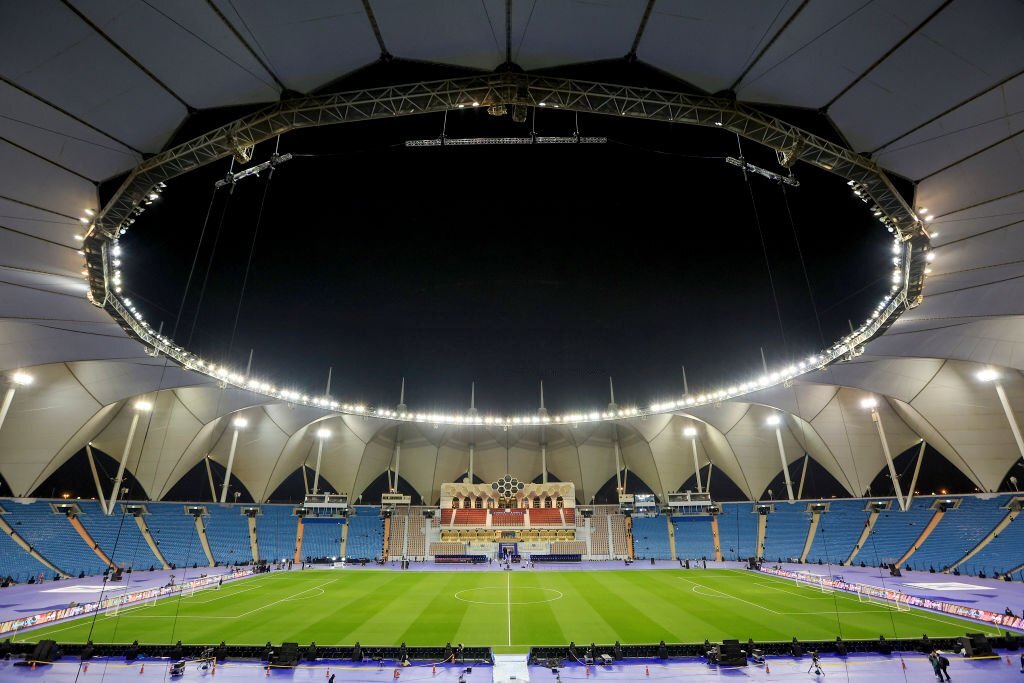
(869,599)
(813,581)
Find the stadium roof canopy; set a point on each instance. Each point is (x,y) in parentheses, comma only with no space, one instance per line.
(932,90)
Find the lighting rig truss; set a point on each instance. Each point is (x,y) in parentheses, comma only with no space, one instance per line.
(770,175)
(515,91)
(232,178)
(532,140)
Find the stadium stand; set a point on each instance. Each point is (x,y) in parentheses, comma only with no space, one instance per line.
(175,533)
(510,518)
(53,537)
(737,526)
(365,533)
(17,564)
(545,517)
(118,535)
(786,532)
(447,514)
(569,548)
(416,540)
(397,535)
(693,537)
(838,531)
(321,537)
(470,517)
(619,540)
(895,532)
(275,532)
(227,530)
(447,548)
(1002,554)
(650,539)
(958,532)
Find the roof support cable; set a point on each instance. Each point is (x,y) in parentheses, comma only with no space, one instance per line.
(764,248)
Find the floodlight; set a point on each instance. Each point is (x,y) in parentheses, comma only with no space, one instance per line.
(869,403)
(143,406)
(987,375)
(240,423)
(690,432)
(773,421)
(22,378)
(323,433)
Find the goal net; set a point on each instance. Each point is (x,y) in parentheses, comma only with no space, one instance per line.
(869,597)
(813,581)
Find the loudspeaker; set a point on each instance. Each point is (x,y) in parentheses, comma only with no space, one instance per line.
(731,654)
(840,647)
(662,651)
(894,570)
(116,574)
(883,646)
(795,648)
(132,653)
(45,651)
(357,652)
(286,655)
(618,651)
(751,563)
(975,645)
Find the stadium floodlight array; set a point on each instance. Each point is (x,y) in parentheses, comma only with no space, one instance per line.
(911,241)
(846,348)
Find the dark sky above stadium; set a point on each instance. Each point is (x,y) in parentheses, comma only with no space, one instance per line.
(508,265)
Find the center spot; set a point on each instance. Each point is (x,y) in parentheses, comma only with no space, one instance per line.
(498,595)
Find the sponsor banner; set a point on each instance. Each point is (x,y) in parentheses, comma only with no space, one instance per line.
(996,618)
(115,601)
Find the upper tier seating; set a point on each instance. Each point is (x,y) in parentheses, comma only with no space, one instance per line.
(650,539)
(546,517)
(737,531)
(175,534)
(838,531)
(365,533)
(53,537)
(509,518)
(895,532)
(321,537)
(694,540)
(786,532)
(227,531)
(959,531)
(276,526)
(118,535)
(1002,553)
(15,562)
(470,517)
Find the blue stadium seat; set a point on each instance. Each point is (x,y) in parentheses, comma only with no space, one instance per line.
(275,532)
(694,540)
(895,532)
(838,531)
(737,531)
(53,537)
(1003,552)
(118,536)
(365,533)
(959,531)
(786,532)
(175,534)
(650,538)
(16,563)
(321,537)
(227,531)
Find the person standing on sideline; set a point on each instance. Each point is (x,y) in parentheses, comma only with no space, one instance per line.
(933,659)
(943,663)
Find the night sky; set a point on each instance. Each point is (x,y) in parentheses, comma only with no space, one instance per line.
(508,265)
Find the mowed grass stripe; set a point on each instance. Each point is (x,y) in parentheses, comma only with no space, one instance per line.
(379,607)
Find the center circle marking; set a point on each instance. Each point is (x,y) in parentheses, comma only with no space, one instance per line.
(471,595)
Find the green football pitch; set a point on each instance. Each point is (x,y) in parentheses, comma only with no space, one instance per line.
(509,610)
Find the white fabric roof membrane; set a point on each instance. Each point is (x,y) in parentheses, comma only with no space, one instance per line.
(931,89)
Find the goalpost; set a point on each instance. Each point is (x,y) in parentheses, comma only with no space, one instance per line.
(867,598)
(813,580)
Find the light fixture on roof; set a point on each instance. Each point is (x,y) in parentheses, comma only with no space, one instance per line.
(22,378)
(987,375)
(869,403)
(240,423)
(323,433)
(773,421)
(143,406)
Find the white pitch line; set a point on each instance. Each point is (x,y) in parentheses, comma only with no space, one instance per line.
(508,594)
(271,604)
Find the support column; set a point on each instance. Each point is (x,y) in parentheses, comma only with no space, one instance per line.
(1010,417)
(95,476)
(785,466)
(398,462)
(116,488)
(209,475)
(471,448)
(917,471)
(696,465)
(803,477)
(877,419)
(231,463)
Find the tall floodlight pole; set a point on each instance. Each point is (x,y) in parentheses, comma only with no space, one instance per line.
(239,423)
(871,403)
(472,430)
(691,434)
(543,413)
(322,435)
(140,408)
(612,409)
(776,422)
(18,379)
(992,375)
